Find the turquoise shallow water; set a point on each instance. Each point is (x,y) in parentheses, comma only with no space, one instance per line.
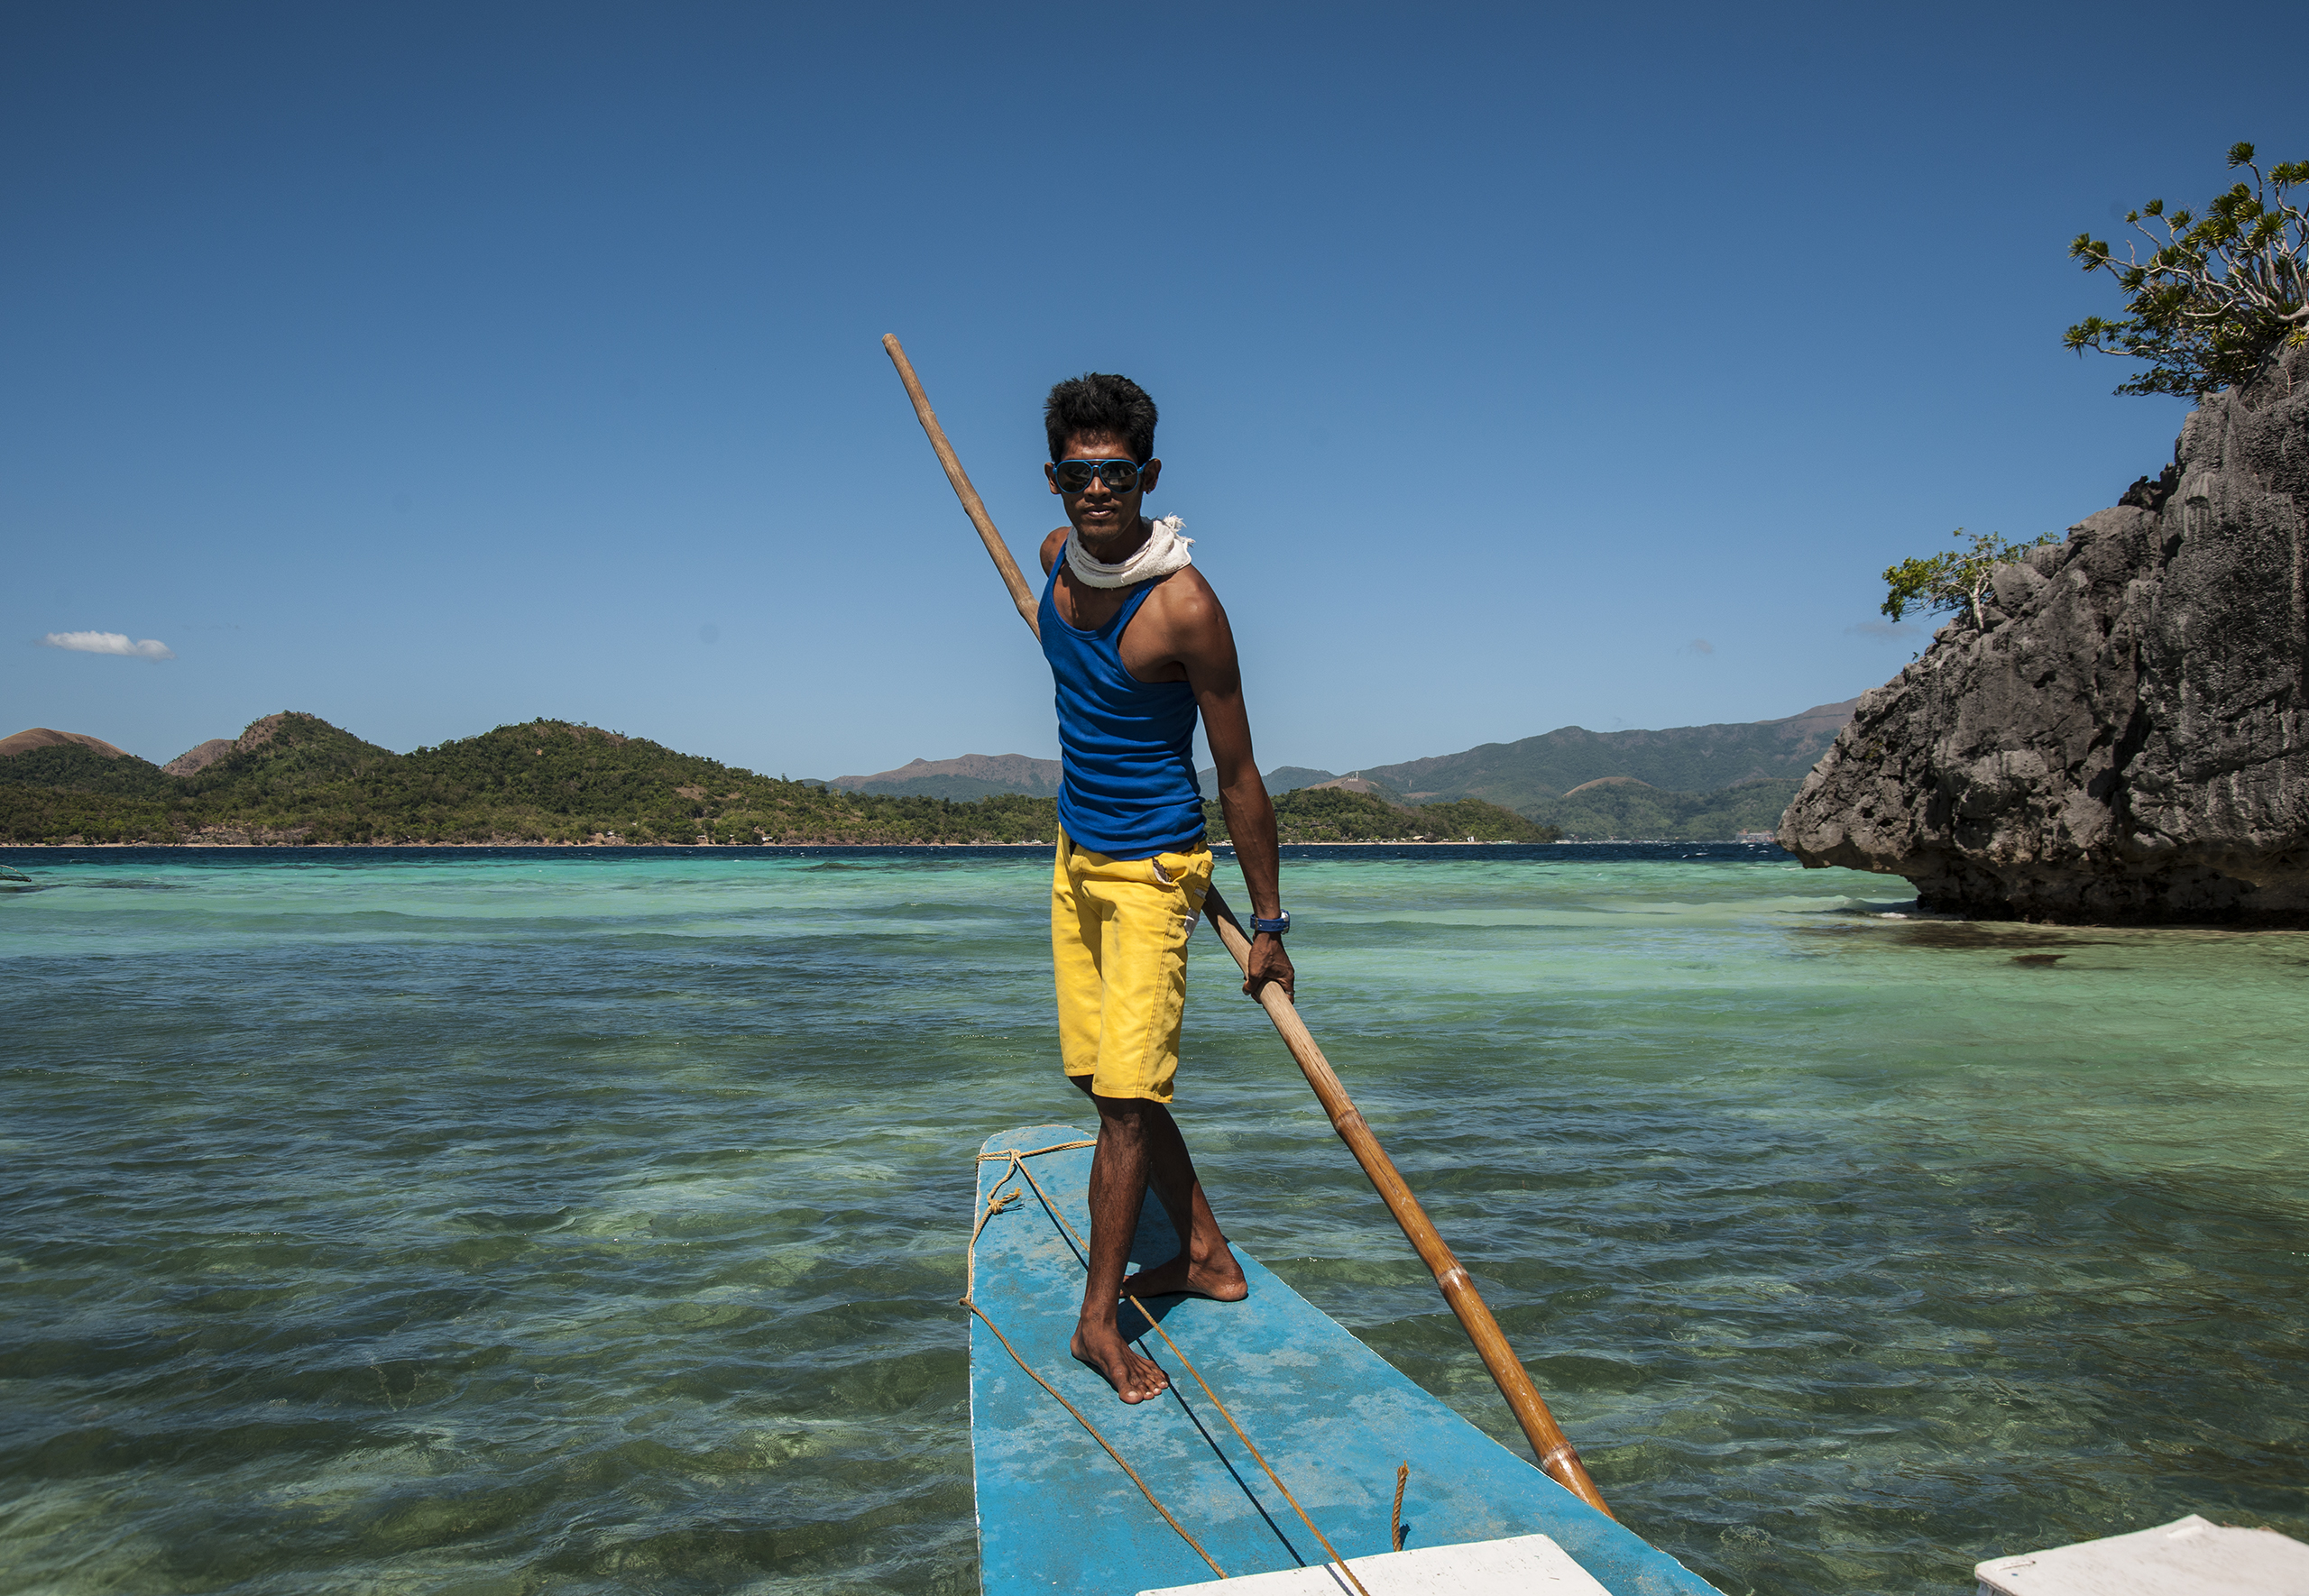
(475,1223)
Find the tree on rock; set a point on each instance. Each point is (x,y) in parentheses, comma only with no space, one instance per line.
(1954,579)
(2217,295)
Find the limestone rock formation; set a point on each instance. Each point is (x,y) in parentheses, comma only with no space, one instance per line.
(2125,739)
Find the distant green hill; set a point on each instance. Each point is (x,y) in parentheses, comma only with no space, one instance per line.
(80,769)
(1652,814)
(972,776)
(1707,782)
(1282,778)
(1326,814)
(296,778)
(1522,775)
(961,788)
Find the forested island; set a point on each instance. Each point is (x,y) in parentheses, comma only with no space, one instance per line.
(295,779)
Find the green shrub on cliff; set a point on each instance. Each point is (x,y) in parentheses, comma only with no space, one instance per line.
(2214,297)
(1953,579)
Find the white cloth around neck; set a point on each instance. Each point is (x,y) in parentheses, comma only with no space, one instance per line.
(1163,551)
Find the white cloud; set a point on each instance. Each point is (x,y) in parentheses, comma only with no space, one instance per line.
(109,643)
(1700,646)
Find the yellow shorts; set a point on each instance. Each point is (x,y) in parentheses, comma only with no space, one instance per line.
(1118,933)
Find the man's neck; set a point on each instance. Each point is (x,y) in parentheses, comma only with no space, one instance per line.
(1115,550)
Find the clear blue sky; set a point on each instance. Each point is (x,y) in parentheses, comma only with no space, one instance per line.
(429,367)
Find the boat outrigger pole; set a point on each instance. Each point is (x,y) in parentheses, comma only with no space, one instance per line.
(1549,1444)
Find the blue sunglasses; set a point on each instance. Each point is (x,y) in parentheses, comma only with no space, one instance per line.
(1074,476)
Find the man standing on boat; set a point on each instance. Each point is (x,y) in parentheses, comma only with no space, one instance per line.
(1137,643)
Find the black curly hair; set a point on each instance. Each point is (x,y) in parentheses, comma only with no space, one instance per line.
(1100,404)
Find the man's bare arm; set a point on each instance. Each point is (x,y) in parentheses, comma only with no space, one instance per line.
(1204,645)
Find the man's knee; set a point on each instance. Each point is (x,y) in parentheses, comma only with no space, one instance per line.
(1126,1117)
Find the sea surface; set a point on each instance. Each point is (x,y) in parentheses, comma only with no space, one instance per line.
(475,1222)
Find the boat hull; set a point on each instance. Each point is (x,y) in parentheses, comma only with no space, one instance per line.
(1056,1513)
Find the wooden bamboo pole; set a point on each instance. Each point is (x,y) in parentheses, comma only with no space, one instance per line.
(1553,1449)
(1549,1444)
(973,506)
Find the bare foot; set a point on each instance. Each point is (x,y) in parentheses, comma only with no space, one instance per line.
(1218,1277)
(1134,1378)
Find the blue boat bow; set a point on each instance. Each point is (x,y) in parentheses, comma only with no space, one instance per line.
(1057,1512)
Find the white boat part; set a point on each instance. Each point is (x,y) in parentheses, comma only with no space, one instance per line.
(1520,1565)
(2191,1556)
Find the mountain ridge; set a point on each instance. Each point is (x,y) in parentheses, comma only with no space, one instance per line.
(969,775)
(295,779)
(1516,775)
(292,776)
(1676,758)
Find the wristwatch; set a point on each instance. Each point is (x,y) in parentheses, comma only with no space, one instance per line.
(1273,928)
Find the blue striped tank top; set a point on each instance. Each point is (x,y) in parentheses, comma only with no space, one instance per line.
(1127,746)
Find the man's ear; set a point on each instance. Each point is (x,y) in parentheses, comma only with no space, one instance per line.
(1050,475)
(1148,474)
